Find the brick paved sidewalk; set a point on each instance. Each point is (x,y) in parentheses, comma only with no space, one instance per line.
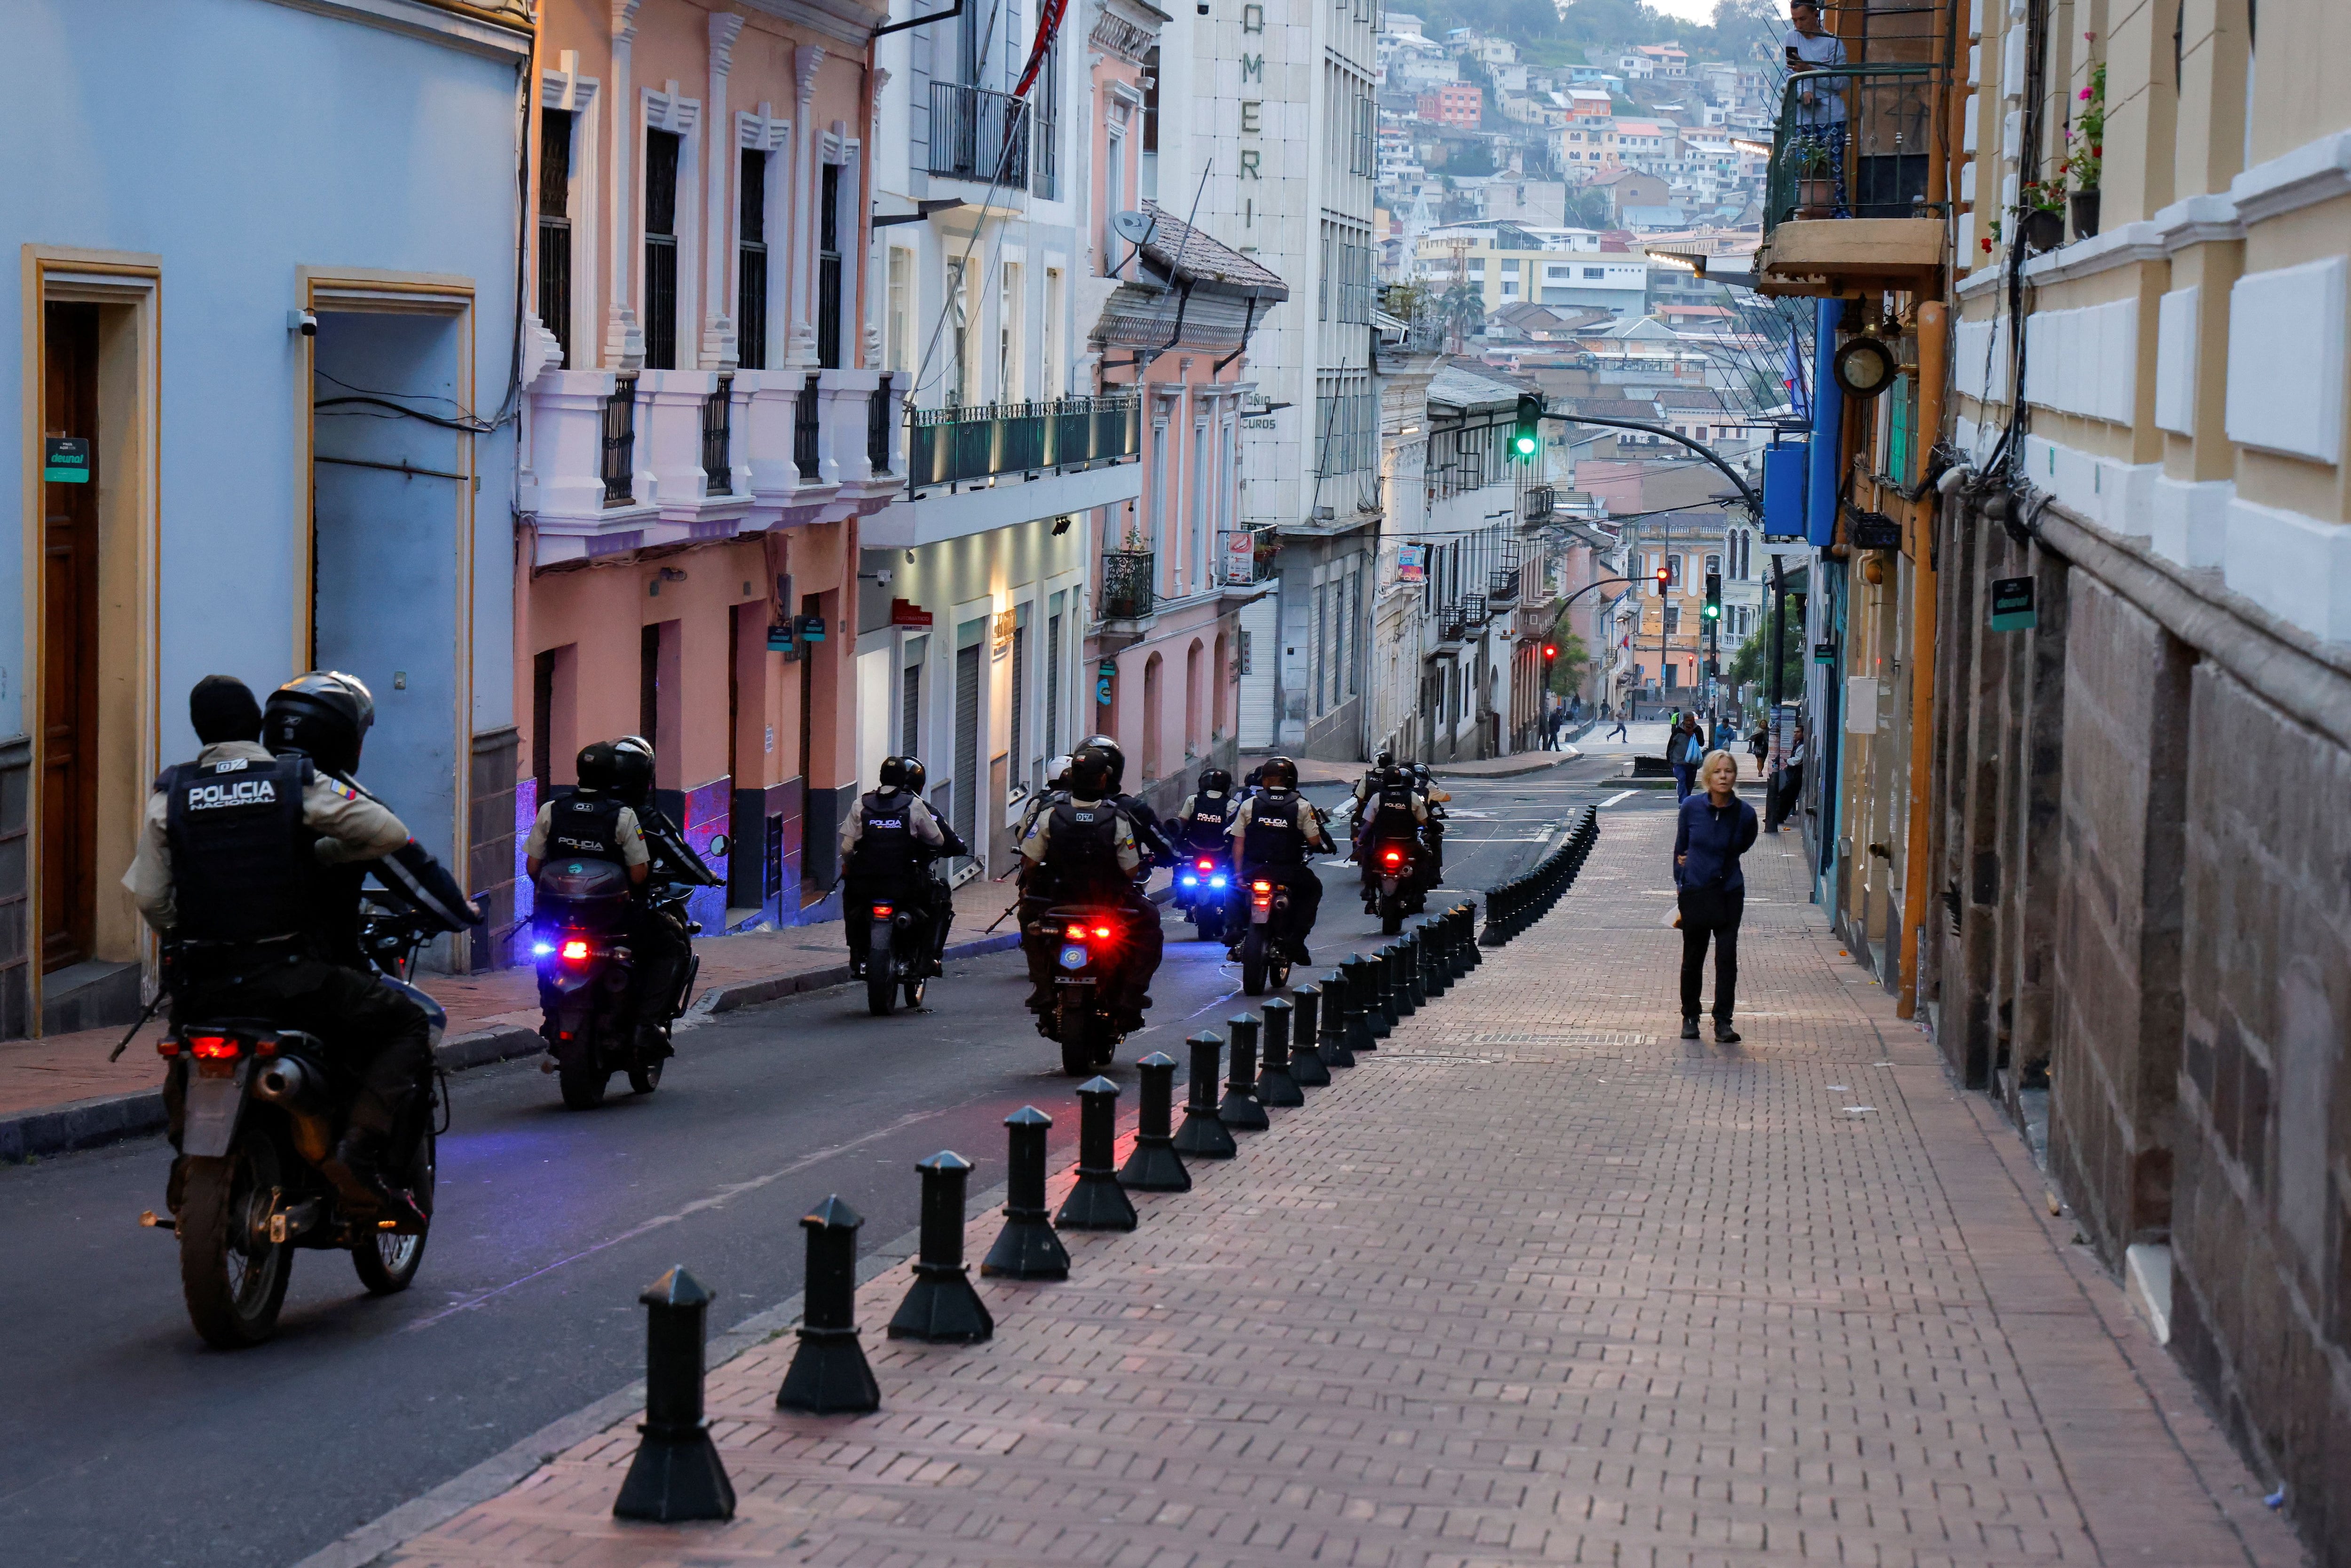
(1538,1282)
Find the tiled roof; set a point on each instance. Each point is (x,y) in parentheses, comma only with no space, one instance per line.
(1188,255)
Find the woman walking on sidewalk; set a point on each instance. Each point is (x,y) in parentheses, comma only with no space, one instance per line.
(1716,827)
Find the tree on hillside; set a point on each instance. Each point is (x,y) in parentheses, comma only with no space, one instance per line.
(1574,658)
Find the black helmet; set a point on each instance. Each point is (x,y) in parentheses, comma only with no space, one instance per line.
(598,769)
(1384,760)
(324,714)
(913,773)
(1109,748)
(891,774)
(1278,773)
(632,771)
(1394,778)
(1091,772)
(1216,782)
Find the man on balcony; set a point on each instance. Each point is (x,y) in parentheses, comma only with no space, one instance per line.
(1820,109)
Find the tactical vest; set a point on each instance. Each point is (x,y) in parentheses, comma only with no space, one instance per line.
(1272,837)
(585,826)
(242,865)
(1081,851)
(886,842)
(1210,816)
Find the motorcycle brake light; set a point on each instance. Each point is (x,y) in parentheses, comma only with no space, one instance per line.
(1395,857)
(882,911)
(575,952)
(1103,932)
(1260,887)
(213,1047)
(1206,864)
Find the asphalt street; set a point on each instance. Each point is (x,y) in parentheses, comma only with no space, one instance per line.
(123,1439)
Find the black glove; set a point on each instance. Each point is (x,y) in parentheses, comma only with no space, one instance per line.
(419,881)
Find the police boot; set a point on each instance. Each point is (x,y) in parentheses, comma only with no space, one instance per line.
(356,1167)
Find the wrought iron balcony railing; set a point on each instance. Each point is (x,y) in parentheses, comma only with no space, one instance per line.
(1502,585)
(1541,502)
(977,134)
(959,445)
(1127,579)
(1246,556)
(1854,142)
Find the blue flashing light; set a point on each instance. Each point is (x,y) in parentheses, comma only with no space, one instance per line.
(1191,882)
(1213,881)
(541,949)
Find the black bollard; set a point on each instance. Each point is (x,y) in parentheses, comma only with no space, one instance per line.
(1306,1064)
(1435,935)
(1426,978)
(1401,968)
(827,1375)
(1359,1005)
(1470,956)
(677,1474)
(1097,1202)
(1379,1011)
(1240,1110)
(1154,1165)
(941,1307)
(1204,1135)
(1027,1247)
(1275,1086)
(1332,1047)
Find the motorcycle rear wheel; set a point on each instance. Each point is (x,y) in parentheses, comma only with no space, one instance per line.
(646,1079)
(1391,917)
(1211,923)
(233,1276)
(583,1087)
(1079,1023)
(387,1262)
(1253,962)
(881,990)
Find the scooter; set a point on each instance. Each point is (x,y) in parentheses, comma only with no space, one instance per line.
(1397,866)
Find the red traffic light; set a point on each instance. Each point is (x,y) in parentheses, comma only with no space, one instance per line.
(1550,652)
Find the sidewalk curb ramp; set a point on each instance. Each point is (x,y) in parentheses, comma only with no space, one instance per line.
(88,1123)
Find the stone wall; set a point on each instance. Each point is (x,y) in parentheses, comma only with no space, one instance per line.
(2261,1229)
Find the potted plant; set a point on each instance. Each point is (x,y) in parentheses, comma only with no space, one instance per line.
(2041,214)
(1808,161)
(2086,153)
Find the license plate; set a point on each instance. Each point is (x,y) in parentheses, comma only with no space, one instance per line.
(1073,979)
(212,1111)
(1073,957)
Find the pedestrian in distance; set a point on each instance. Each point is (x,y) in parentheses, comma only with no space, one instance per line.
(1618,732)
(1684,749)
(1716,827)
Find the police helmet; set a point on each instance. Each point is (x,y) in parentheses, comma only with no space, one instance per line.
(1109,748)
(1384,760)
(1216,782)
(1278,773)
(1394,778)
(913,773)
(1093,774)
(891,774)
(325,715)
(1056,773)
(598,770)
(632,771)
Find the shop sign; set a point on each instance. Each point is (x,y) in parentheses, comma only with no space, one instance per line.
(65,460)
(2012,604)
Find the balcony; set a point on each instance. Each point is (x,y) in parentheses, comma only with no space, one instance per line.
(1541,502)
(954,446)
(979,135)
(1246,557)
(619,463)
(1127,576)
(1844,206)
(1502,586)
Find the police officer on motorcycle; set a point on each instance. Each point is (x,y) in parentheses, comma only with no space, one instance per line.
(1396,810)
(1433,833)
(1148,832)
(887,847)
(1201,821)
(1085,850)
(1274,836)
(237,867)
(590,823)
(1056,791)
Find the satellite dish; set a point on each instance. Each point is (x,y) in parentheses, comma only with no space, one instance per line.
(1133,227)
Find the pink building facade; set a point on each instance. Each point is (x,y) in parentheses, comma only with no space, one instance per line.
(702,426)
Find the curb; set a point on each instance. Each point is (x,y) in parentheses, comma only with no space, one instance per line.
(1537,762)
(88,1123)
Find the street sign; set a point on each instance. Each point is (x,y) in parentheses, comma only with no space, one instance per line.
(65,460)
(2012,604)
(1825,653)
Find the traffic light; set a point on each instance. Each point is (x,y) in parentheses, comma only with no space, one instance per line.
(1526,435)
(1550,652)
(1713,611)
(1664,580)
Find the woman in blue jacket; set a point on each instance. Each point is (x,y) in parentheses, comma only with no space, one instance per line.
(1716,827)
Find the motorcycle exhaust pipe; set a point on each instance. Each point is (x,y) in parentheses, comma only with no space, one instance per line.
(284,1081)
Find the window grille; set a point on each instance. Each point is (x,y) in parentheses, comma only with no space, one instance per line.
(828,268)
(717,439)
(621,442)
(554,225)
(751,291)
(661,249)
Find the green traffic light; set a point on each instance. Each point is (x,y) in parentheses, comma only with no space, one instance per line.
(1526,446)
(1713,612)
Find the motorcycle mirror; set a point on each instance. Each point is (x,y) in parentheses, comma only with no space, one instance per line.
(718,843)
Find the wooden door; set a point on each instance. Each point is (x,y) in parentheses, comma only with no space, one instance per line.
(68,897)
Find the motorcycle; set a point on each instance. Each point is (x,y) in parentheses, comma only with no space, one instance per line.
(1081,1019)
(587,994)
(1262,955)
(901,954)
(1205,892)
(1396,863)
(262,1110)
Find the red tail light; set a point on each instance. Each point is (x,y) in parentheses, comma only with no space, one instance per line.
(213,1047)
(882,911)
(1207,865)
(1103,932)
(167,1046)
(1393,857)
(1260,887)
(575,951)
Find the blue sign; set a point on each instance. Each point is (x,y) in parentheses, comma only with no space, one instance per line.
(1783,491)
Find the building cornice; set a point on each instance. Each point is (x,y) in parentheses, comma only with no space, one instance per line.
(488,29)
